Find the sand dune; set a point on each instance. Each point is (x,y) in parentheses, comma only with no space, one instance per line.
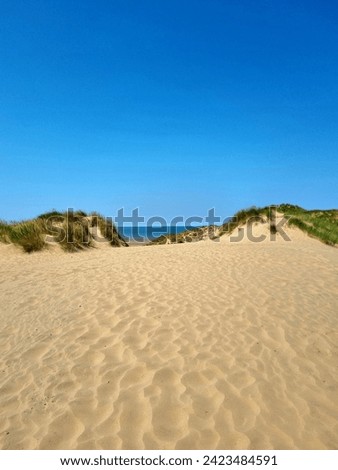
(210,345)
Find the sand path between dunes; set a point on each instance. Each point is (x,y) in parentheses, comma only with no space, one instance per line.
(211,345)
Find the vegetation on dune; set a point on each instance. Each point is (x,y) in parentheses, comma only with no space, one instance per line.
(73,231)
(53,213)
(73,234)
(77,230)
(28,234)
(250,215)
(193,234)
(4,232)
(107,229)
(320,224)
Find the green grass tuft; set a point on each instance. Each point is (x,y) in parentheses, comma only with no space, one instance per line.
(107,229)
(322,225)
(29,235)
(73,231)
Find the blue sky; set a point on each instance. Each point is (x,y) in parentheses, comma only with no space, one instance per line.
(173,106)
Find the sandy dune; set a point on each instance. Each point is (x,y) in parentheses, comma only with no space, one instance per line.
(211,345)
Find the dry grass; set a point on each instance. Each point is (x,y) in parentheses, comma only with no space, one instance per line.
(28,235)
(71,230)
(106,230)
(76,231)
(320,224)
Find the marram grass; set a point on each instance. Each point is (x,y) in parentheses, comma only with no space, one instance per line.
(73,232)
(319,224)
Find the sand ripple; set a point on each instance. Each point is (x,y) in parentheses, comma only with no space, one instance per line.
(209,345)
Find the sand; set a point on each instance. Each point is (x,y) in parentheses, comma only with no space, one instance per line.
(210,345)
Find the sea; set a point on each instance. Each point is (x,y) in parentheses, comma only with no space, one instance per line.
(146,233)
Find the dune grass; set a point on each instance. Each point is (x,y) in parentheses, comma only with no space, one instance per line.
(107,228)
(75,231)
(5,230)
(193,234)
(29,235)
(74,234)
(53,213)
(320,224)
(251,215)
(71,230)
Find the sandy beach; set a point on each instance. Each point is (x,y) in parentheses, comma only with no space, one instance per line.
(208,345)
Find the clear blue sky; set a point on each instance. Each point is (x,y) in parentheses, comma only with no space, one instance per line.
(170,106)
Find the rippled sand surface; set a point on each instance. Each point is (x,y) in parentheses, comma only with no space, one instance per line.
(198,346)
